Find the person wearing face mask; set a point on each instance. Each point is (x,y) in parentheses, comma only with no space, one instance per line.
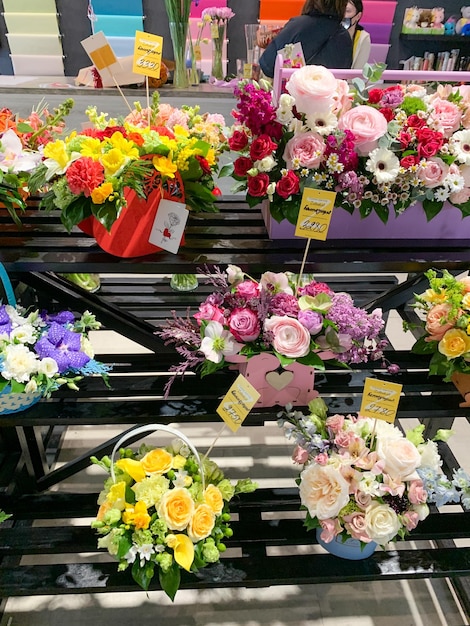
(359,36)
(321,34)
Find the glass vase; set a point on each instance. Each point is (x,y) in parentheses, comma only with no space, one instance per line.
(183,282)
(179,34)
(217,70)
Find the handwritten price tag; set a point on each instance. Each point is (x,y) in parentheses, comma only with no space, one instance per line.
(380,399)
(315,213)
(237,403)
(147,54)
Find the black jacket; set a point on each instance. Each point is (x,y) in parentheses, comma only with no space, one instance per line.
(323,38)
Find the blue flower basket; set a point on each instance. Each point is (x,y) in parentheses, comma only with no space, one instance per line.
(13,402)
(350,549)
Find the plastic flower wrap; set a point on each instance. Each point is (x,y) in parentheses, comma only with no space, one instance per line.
(40,352)
(87,173)
(161,514)
(20,142)
(307,323)
(381,149)
(363,479)
(446,322)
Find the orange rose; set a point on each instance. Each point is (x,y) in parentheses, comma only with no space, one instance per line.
(213,498)
(176,508)
(437,322)
(202,523)
(157,461)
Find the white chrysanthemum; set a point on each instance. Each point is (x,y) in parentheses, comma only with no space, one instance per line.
(384,164)
(266,164)
(19,363)
(322,123)
(23,334)
(460,146)
(454,182)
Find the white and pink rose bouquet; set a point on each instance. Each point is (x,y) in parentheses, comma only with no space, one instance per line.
(382,149)
(307,323)
(363,478)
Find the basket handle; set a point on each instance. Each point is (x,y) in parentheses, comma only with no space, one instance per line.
(7,286)
(148,428)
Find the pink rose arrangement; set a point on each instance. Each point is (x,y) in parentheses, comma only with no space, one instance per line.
(307,323)
(446,321)
(381,149)
(363,479)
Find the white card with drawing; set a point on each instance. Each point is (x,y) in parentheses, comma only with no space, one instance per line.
(169,225)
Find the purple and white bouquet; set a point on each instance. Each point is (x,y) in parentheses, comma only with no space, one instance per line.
(40,352)
(304,323)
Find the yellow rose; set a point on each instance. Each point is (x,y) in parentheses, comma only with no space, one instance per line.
(213,498)
(433,297)
(179,461)
(454,343)
(157,461)
(202,523)
(176,508)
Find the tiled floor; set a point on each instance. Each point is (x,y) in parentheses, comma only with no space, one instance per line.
(407,603)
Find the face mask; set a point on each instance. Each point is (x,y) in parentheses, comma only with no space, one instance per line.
(346,23)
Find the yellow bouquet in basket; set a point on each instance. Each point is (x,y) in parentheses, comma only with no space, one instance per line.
(163,510)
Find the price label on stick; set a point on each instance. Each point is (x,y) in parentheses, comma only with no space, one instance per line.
(237,403)
(147,54)
(316,209)
(380,400)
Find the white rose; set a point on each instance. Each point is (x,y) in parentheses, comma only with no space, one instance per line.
(400,455)
(323,491)
(430,455)
(382,523)
(422,510)
(48,367)
(313,87)
(266,164)
(19,363)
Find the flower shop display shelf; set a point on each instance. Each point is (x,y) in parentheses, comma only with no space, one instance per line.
(36,254)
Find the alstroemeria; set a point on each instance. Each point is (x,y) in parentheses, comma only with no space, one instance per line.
(218,343)
(13,157)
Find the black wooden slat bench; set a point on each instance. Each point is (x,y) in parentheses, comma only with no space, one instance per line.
(134,299)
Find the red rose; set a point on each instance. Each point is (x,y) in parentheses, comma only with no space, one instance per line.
(387,113)
(414,121)
(84,175)
(430,148)
(238,140)
(261,147)
(257,185)
(409,161)
(375,96)
(288,185)
(404,139)
(206,169)
(242,165)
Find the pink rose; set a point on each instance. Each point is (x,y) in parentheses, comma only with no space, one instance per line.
(437,323)
(300,455)
(356,526)
(244,325)
(445,116)
(209,313)
(330,529)
(342,101)
(460,197)
(466,283)
(362,499)
(247,289)
(321,459)
(367,125)
(344,438)
(313,87)
(289,337)
(433,172)
(417,493)
(335,423)
(306,149)
(410,520)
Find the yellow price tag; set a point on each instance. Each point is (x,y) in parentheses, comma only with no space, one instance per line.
(237,403)
(316,209)
(147,54)
(380,399)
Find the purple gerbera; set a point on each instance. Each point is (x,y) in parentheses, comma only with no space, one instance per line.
(63,346)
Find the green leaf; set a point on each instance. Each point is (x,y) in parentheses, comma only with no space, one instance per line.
(143,575)
(23,127)
(16,387)
(77,211)
(313,360)
(382,212)
(226,170)
(170,580)
(310,522)
(125,544)
(424,347)
(431,208)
